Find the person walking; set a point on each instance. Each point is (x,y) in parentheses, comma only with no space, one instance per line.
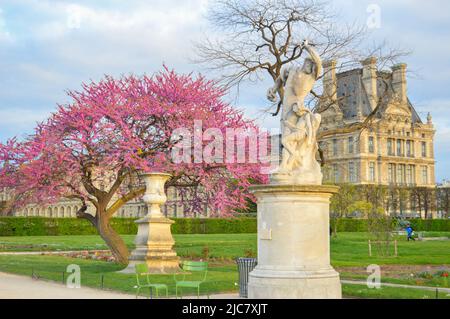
(409,232)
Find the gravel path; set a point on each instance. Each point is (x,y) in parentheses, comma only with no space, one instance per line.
(21,287)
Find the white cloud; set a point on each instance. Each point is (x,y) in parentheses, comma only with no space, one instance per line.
(19,121)
(103,39)
(41,74)
(439,109)
(5,35)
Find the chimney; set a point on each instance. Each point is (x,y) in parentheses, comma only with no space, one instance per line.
(369,80)
(399,81)
(329,80)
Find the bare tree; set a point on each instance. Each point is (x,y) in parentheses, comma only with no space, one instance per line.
(262,36)
(341,204)
(425,199)
(443,200)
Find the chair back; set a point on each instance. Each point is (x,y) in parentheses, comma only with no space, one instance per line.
(199,267)
(194,265)
(141,269)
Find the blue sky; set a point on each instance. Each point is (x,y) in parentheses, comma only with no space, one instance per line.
(47,47)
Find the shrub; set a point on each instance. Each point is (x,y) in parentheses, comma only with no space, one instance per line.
(41,226)
(205,252)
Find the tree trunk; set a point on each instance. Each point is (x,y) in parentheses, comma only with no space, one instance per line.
(334,227)
(115,243)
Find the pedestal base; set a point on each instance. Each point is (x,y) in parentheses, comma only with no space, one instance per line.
(273,284)
(293,243)
(154,244)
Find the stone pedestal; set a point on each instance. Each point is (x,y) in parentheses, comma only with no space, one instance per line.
(293,244)
(154,239)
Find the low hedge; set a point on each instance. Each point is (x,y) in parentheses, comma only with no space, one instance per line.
(351,225)
(40,226)
(430,224)
(360,225)
(214,225)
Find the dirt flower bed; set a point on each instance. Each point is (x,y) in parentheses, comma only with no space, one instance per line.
(103,255)
(421,275)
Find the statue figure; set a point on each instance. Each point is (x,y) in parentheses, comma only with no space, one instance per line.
(298,124)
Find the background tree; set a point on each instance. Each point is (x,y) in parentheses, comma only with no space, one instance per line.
(403,199)
(379,226)
(260,37)
(94,149)
(341,204)
(443,200)
(425,200)
(374,194)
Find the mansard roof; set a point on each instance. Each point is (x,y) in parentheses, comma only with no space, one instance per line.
(350,86)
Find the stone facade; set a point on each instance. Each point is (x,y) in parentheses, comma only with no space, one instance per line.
(64,208)
(397,146)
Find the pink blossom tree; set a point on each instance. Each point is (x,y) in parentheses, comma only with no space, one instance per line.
(94,148)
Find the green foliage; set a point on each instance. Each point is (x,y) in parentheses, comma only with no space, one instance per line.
(342,201)
(430,224)
(352,225)
(40,226)
(360,225)
(214,225)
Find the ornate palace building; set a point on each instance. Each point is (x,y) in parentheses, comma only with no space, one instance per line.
(395,149)
(68,208)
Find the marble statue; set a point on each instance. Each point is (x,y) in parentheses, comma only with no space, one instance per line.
(294,209)
(298,124)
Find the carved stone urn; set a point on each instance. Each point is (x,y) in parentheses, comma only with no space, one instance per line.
(154,240)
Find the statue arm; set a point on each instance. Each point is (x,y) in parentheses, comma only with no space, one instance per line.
(279,83)
(316,58)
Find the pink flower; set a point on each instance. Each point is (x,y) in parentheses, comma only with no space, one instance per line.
(113,129)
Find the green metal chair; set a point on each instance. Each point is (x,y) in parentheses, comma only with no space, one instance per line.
(142,271)
(200,269)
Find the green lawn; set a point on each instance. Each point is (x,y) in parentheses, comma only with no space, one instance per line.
(359,291)
(347,250)
(221,278)
(219,245)
(351,249)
